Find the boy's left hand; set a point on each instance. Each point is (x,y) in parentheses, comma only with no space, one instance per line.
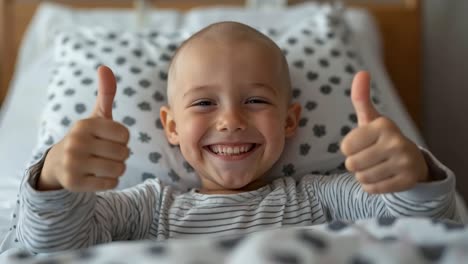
(381,157)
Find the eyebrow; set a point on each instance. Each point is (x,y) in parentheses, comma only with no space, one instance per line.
(196,89)
(265,86)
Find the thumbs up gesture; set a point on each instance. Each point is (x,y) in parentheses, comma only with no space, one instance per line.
(91,157)
(381,157)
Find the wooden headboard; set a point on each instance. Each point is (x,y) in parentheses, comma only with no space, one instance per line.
(398,20)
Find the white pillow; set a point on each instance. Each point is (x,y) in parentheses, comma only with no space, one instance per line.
(322,63)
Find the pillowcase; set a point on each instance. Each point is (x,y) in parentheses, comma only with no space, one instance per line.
(322,61)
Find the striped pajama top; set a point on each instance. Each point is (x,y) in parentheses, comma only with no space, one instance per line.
(60,220)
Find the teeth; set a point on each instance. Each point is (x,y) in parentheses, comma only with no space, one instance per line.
(227,150)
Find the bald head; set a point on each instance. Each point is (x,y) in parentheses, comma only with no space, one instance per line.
(227,34)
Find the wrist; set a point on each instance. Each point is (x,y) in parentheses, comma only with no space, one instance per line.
(432,171)
(426,176)
(45,183)
(47,180)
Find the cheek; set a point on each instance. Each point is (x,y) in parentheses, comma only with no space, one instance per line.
(191,129)
(271,123)
(273,126)
(190,133)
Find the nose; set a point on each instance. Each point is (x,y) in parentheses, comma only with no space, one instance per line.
(230,120)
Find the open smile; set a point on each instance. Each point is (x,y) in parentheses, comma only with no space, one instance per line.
(232,152)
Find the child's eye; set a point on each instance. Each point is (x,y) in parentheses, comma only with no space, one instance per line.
(256,101)
(203,103)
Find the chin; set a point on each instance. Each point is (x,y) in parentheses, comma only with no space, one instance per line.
(234,185)
(238,185)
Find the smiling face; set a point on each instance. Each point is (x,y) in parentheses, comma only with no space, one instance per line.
(229,109)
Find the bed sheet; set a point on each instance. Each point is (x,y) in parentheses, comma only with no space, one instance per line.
(19,118)
(18,133)
(383,240)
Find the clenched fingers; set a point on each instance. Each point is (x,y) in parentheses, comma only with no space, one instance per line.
(366,158)
(104,129)
(377,173)
(362,137)
(104,168)
(109,150)
(395,183)
(359,139)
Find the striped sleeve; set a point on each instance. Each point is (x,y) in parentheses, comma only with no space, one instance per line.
(342,197)
(61,220)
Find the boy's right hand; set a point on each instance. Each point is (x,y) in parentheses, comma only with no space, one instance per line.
(91,157)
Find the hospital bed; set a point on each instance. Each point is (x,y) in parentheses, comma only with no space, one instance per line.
(387,35)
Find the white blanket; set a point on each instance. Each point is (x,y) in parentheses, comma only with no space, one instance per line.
(384,240)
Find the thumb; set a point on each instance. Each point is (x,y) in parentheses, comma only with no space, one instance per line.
(360,96)
(106,93)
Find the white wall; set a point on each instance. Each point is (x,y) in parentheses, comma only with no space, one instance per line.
(445,74)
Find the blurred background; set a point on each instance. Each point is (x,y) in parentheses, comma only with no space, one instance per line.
(445,84)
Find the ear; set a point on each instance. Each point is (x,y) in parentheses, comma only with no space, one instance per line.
(168,122)
(292,119)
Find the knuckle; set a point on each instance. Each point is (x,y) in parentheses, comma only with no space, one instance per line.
(371,188)
(351,164)
(68,161)
(120,169)
(124,168)
(110,184)
(68,144)
(358,177)
(367,188)
(362,177)
(100,184)
(385,123)
(345,148)
(125,135)
(115,169)
(80,125)
(127,153)
(72,143)
(123,153)
(405,161)
(395,144)
(70,182)
(122,132)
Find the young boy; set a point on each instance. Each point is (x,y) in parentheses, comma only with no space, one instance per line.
(229,110)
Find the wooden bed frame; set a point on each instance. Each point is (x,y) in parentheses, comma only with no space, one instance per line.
(398,20)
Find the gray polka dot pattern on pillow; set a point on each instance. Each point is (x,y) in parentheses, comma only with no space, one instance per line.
(322,62)
(140,62)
